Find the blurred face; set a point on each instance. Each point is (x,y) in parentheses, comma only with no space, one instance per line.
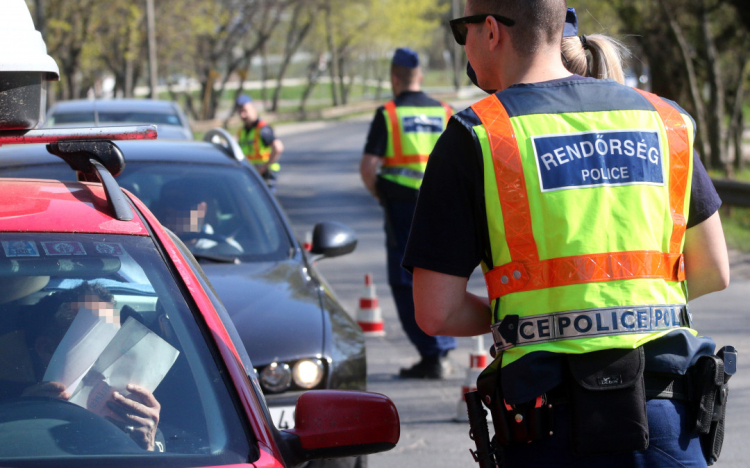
(185,221)
(103,309)
(47,343)
(248,114)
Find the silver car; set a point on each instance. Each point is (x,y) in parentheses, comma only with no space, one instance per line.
(166,115)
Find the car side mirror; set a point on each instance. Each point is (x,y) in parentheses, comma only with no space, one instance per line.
(341,423)
(332,239)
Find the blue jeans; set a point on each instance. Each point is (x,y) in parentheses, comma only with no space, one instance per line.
(671,444)
(398,216)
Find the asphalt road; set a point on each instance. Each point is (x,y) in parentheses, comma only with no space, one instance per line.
(320,182)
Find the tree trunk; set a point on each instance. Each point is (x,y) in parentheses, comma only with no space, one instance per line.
(344,93)
(716,93)
(700,110)
(128,90)
(737,121)
(313,74)
(332,59)
(263,76)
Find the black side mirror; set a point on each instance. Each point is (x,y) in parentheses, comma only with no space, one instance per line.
(332,239)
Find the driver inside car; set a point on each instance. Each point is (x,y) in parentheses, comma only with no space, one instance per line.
(136,414)
(187,209)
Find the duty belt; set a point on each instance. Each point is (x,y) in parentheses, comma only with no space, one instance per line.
(402,171)
(518,331)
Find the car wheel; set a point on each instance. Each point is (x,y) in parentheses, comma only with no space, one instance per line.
(354,462)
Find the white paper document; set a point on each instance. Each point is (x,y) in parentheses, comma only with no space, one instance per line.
(89,333)
(135,355)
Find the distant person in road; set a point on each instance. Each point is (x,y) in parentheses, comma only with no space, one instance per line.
(258,142)
(401,137)
(542,184)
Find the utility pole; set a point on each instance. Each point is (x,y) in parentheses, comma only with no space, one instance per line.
(39,10)
(151,47)
(456,51)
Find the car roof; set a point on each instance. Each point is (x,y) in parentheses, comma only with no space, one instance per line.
(115,105)
(138,150)
(31,205)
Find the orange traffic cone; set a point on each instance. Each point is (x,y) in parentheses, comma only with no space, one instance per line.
(477,363)
(369,317)
(307,245)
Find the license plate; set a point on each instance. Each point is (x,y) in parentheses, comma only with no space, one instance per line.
(282,416)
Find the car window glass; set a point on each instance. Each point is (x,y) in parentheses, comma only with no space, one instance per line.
(65,118)
(216,210)
(138,117)
(91,314)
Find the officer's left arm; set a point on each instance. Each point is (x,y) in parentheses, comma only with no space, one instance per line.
(706,258)
(443,306)
(277,147)
(368,170)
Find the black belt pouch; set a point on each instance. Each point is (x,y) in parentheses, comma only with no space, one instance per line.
(608,399)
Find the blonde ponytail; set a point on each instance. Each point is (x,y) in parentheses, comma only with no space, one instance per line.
(597,56)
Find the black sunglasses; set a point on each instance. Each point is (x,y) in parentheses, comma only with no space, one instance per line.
(458,25)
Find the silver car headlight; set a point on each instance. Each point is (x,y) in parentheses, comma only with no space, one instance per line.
(307,373)
(276,377)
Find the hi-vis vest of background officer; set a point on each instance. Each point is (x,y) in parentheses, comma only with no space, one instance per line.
(252,145)
(586,214)
(412,134)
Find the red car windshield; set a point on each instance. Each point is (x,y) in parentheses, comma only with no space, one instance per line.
(102,359)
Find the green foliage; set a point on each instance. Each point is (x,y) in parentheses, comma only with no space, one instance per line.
(737,228)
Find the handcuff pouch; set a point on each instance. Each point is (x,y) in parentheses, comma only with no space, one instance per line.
(514,424)
(608,400)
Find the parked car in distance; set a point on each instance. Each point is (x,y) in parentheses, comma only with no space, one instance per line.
(166,115)
(96,295)
(297,334)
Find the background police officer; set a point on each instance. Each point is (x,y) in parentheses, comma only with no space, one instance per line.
(401,136)
(258,142)
(486,198)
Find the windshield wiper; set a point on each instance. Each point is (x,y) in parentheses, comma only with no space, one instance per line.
(216,258)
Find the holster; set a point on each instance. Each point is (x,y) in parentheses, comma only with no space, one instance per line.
(608,401)
(514,424)
(711,391)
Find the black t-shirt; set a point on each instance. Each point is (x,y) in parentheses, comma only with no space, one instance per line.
(448,236)
(266,133)
(377,142)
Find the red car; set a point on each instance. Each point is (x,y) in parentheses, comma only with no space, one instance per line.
(114,349)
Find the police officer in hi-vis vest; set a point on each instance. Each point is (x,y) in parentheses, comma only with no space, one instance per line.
(594,224)
(258,142)
(401,137)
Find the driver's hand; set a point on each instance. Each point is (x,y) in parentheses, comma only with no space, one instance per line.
(48,390)
(139,412)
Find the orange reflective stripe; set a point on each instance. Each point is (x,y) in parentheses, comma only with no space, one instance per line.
(448,113)
(679,164)
(511,185)
(390,108)
(593,268)
(403,160)
(257,156)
